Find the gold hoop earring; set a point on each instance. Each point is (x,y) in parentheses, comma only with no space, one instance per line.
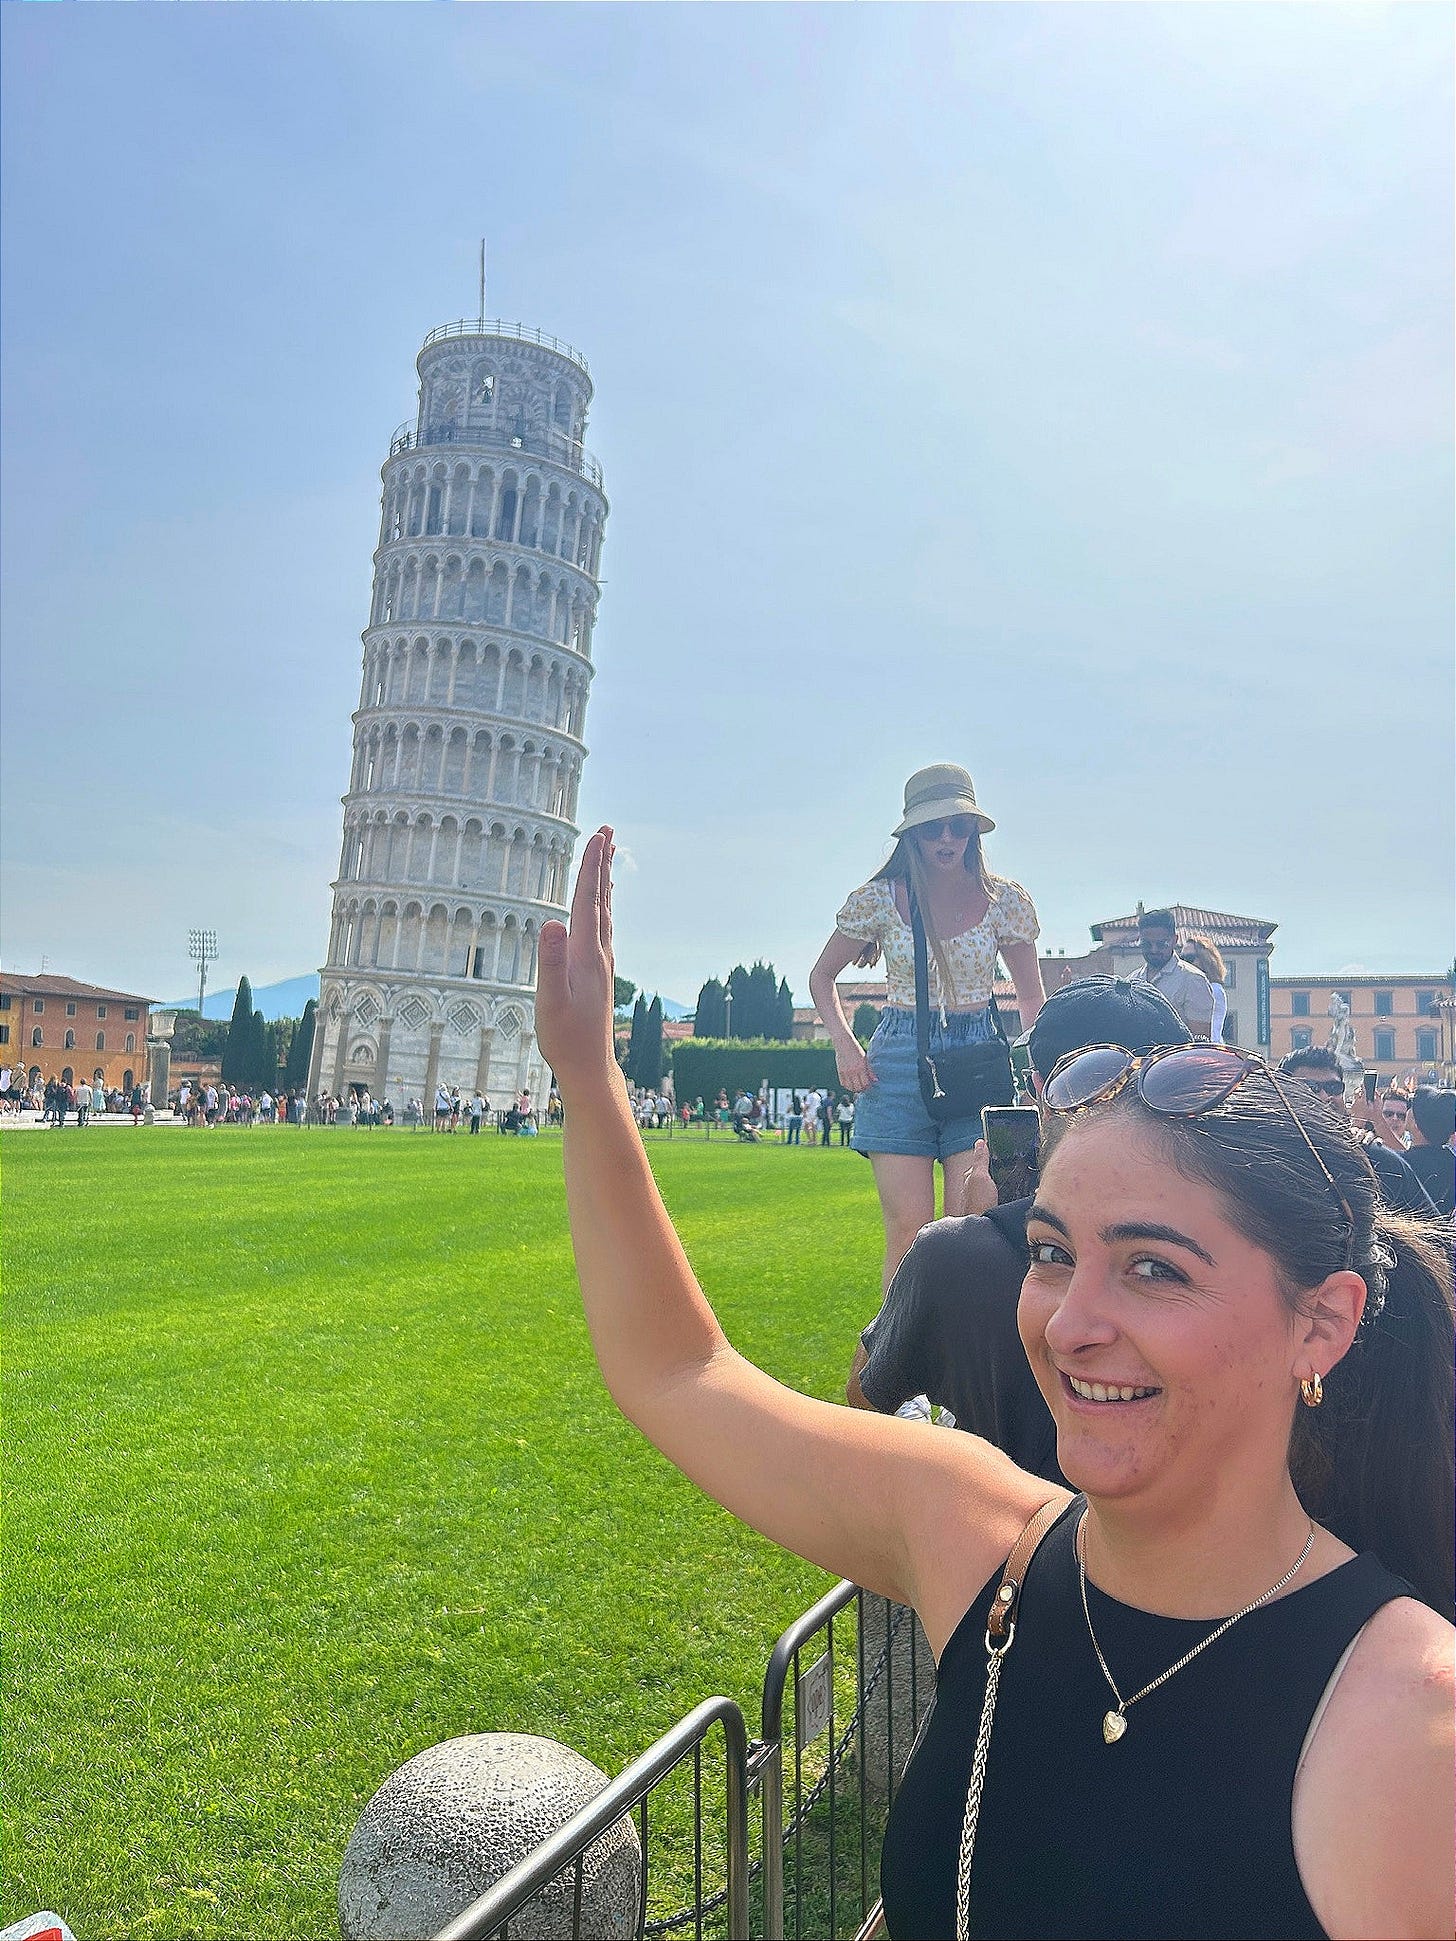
(1312,1391)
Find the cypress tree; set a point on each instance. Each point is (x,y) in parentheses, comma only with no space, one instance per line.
(652,1046)
(739,991)
(300,1048)
(763,1002)
(260,1045)
(635,1042)
(784,1013)
(236,1052)
(710,1017)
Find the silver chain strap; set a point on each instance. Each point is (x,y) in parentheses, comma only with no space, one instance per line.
(994,1655)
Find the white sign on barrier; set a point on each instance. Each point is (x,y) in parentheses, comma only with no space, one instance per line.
(812,1702)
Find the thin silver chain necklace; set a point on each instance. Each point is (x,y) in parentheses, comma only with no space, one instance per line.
(1114,1724)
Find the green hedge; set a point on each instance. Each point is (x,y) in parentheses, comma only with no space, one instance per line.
(702,1067)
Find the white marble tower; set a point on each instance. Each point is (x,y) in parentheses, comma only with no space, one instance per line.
(459,818)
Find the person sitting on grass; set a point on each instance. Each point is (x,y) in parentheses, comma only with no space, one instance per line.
(1229,1706)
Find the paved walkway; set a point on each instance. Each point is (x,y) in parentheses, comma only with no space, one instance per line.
(35,1121)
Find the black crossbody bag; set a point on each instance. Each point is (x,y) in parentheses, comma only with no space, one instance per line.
(960,1079)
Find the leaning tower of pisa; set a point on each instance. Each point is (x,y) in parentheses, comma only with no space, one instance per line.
(459,817)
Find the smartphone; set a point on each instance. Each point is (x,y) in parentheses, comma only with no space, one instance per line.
(1371,1081)
(1012,1135)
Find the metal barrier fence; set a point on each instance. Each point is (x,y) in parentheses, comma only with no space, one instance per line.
(822,1869)
(823,1792)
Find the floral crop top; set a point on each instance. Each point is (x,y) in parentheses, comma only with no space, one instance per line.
(869,913)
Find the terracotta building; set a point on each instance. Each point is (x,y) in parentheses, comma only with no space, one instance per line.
(1402,1022)
(56,1027)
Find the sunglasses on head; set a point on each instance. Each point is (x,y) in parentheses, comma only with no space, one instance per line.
(958,826)
(1176,1082)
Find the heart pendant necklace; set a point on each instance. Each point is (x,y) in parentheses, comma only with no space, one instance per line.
(1114,1723)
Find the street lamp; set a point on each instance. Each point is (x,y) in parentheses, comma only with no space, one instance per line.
(727,1014)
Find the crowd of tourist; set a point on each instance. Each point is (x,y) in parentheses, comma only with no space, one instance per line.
(202,1105)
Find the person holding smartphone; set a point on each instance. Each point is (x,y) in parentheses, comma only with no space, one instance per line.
(970,916)
(947,1329)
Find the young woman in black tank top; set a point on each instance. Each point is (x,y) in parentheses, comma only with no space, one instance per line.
(1217,1718)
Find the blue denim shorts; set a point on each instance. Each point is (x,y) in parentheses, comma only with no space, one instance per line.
(891,1115)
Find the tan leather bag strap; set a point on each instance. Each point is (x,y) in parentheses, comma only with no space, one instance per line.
(1000,1631)
(1003,1604)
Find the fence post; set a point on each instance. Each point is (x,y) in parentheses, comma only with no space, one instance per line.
(771,1794)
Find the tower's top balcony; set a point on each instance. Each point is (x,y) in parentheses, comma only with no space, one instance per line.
(497,327)
(547,442)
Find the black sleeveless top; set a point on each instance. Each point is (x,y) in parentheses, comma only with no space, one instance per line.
(1183,1828)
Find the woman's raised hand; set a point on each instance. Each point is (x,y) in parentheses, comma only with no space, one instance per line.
(574,987)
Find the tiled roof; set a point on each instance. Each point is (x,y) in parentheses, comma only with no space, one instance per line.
(1339,981)
(1217,925)
(47,984)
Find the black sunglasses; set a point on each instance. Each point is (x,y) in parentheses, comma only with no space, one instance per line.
(960,827)
(1333,1088)
(1176,1082)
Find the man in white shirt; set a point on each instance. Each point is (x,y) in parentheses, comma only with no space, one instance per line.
(1186,989)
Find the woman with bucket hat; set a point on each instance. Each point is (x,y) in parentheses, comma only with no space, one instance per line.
(933,1063)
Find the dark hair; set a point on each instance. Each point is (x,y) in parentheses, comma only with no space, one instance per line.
(1434,1112)
(1375,1463)
(1157,920)
(1313,1058)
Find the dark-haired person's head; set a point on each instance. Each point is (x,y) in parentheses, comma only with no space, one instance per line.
(1275,1186)
(1103,1011)
(1434,1113)
(1157,937)
(1318,1067)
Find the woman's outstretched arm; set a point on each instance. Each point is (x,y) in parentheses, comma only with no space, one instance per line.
(921,1515)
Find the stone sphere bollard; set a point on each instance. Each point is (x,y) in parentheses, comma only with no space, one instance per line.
(452,1820)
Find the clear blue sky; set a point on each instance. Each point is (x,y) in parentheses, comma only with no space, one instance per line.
(1061,390)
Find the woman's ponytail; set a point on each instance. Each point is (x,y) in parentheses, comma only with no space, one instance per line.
(1375,1462)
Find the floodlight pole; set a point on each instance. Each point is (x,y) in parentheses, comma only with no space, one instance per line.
(202,949)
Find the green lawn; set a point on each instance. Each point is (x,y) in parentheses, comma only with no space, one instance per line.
(308,1467)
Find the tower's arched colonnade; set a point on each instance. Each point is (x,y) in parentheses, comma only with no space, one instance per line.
(459,821)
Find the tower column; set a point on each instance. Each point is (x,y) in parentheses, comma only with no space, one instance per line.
(341,1057)
(432,1067)
(482,1063)
(523,1063)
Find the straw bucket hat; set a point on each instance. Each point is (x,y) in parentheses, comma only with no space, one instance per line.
(939,791)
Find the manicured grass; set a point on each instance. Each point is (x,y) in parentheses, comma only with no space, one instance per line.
(309,1467)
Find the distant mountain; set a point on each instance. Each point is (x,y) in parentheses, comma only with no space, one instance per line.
(285,1000)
